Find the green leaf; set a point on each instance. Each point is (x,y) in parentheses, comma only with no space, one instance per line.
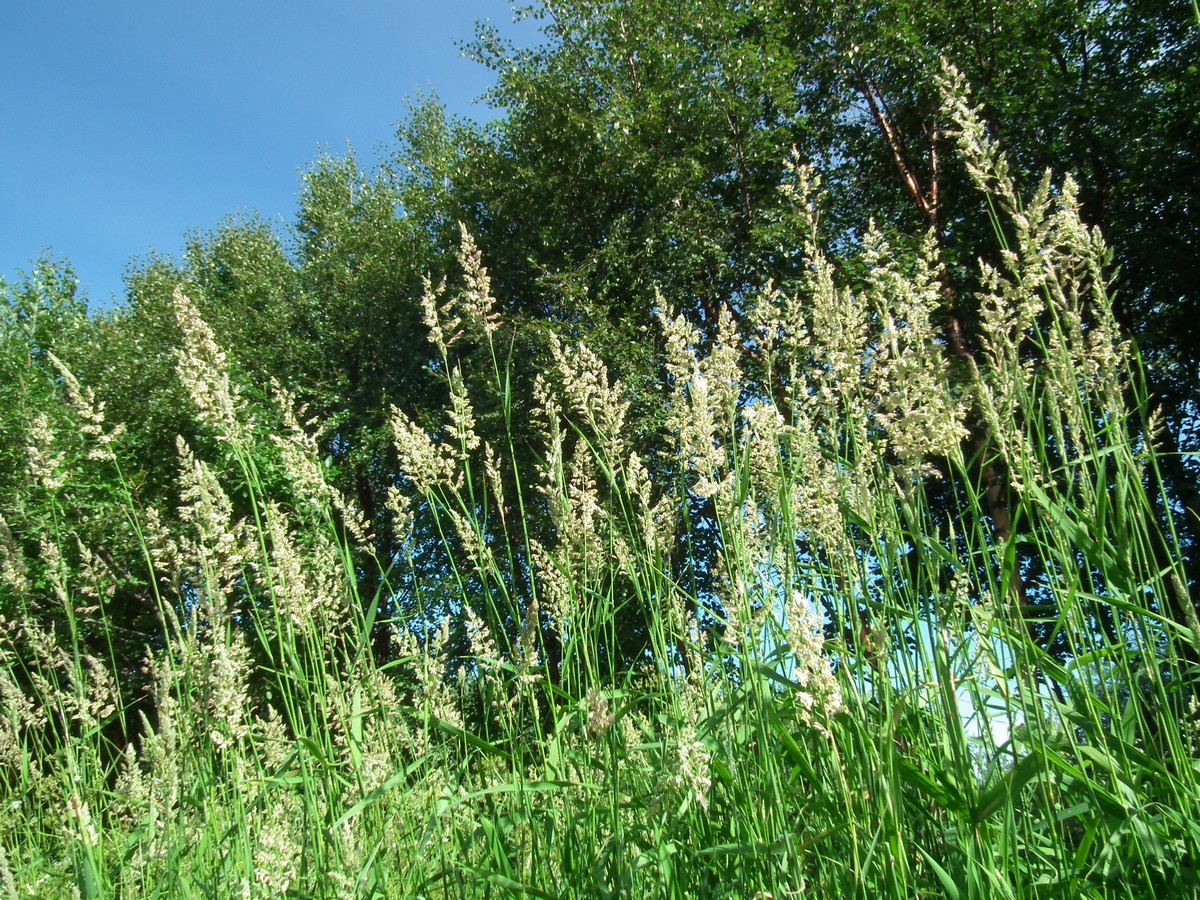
(948,883)
(1008,788)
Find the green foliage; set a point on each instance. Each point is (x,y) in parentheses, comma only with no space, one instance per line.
(641,152)
(725,535)
(856,705)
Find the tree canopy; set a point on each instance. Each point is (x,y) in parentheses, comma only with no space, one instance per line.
(640,169)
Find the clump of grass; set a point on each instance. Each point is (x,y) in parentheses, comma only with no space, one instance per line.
(793,651)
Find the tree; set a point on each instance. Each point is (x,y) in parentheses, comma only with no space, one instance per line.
(335,324)
(640,170)
(644,147)
(640,163)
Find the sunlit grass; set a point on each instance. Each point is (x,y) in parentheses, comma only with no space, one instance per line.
(791,653)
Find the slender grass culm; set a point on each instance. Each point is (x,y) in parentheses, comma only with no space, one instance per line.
(863,619)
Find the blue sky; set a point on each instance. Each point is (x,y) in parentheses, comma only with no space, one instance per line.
(125,124)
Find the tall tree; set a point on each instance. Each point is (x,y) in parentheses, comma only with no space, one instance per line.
(644,145)
(640,164)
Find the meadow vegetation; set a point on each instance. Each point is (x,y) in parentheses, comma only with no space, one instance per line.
(823,606)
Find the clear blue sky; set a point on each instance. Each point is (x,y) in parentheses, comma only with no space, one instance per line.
(125,124)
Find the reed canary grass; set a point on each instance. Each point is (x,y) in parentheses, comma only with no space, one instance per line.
(786,649)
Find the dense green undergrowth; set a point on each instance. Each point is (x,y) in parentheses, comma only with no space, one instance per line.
(866,619)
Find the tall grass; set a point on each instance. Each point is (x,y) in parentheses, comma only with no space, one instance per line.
(795,651)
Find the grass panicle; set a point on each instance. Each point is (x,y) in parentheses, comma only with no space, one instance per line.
(864,620)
